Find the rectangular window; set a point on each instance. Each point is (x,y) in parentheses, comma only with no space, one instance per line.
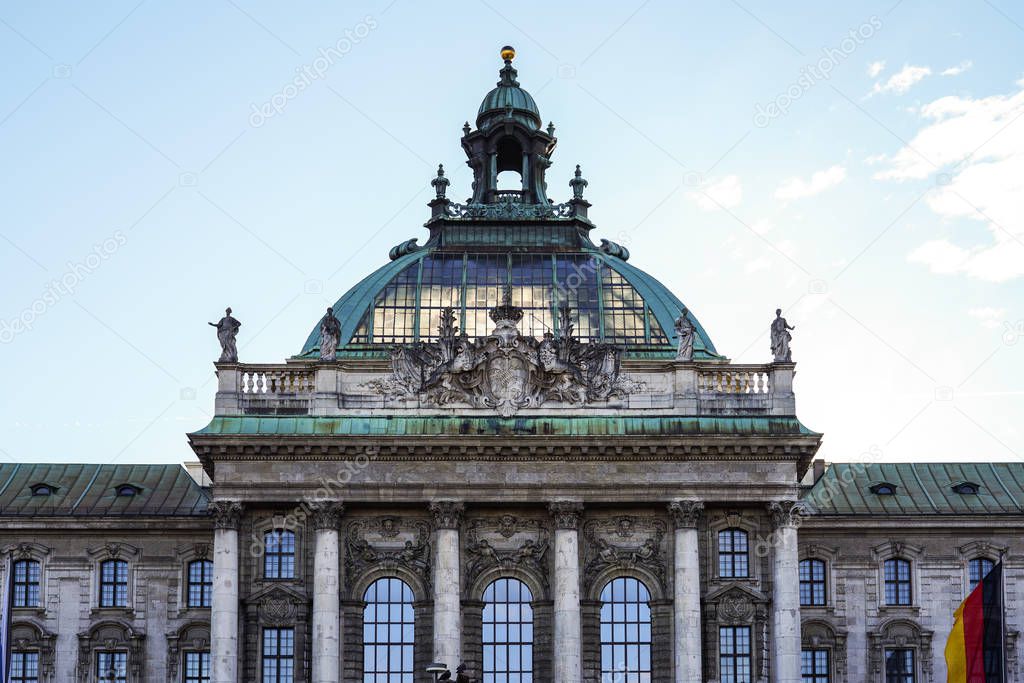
(197,667)
(899,666)
(114,583)
(812,583)
(733,562)
(278,655)
(279,554)
(734,660)
(200,583)
(112,667)
(26,583)
(814,666)
(897,582)
(978,568)
(24,667)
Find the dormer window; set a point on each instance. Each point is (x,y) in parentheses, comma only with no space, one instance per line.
(883,489)
(43,490)
(966,488)
(128,490)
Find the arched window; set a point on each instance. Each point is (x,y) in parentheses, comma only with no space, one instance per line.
(200,583)
(733,560)
(625,631)
(898,587)
(812,583)
(279,554)
(388,629)
(508,632)
(26,583)
(976,570)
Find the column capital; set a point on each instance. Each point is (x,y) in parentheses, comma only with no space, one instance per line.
(447,513)
(326,514)
(227,514)
(686,513)
(785,513)
(566,514)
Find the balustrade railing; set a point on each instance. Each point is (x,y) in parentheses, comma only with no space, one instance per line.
(735,379)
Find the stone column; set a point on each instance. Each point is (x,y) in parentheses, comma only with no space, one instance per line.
(227,515)
(326,593)
(785,634)
(687,629)
(447,586)
(568,651)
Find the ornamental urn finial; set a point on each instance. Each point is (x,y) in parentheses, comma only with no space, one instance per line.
(440,183)
(578,183)
(508,73)
(551,129)
(466,129)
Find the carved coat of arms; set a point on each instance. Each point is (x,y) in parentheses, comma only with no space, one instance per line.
(505,370)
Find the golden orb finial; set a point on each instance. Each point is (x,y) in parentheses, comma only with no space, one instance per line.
(508,53)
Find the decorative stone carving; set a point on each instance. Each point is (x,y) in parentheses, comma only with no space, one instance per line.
(785,513)
(578,183)
(508,208)
(277,609)
(781,338)
(523,544)
(26,635)
(440,183)
(330,335)
(227,330)
(110,635)
(195,636)
(901,633)
(326,515)
(369,544)
(566,514)
(685,329)
(505,371)
(686,513)
(646,553)
(447,514)
(227,514)
(201,551)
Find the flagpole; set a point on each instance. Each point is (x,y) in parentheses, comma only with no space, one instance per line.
(1002,613)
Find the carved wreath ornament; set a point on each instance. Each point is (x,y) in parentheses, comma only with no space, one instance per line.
(506,371)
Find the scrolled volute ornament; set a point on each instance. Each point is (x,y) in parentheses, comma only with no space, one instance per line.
(785,513)
(447,514)
(227,514)
(566,514)
(326,515)
(686,513)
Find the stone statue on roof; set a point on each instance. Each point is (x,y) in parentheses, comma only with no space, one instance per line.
(684,333)
(781,338)
(330,334)
(227,330)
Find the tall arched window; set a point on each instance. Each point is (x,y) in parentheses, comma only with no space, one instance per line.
(625,631)
(388,632)
(508,632)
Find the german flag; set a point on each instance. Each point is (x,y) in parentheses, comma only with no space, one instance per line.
(974,651)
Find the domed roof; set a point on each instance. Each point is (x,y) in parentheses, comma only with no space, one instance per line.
(508,99)
(611,301)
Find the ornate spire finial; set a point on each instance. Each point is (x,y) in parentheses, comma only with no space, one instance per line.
(578,183)
(508,73)
(440,183)
(551,129)
(466,129)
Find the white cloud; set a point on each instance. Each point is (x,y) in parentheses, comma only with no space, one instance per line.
(875,68)
(759,263)
(988,316)
(977,145)
(762,226)
(903,80)
(725,193)
(798,188)
(958,69)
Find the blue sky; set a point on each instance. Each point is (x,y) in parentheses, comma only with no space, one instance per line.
(860,165)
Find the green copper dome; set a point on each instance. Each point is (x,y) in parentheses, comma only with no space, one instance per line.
(612,301)
(508,100)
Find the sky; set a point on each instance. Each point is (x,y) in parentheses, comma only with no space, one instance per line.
(859,165)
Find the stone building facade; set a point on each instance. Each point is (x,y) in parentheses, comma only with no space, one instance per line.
(508,448)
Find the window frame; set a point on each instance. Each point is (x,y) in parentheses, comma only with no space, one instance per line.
(902,677)
(735,657)
(610,628)
(27,584)
(522,622)
(276,558)
(23,655)
(732,532)
(115,583)
(205,584)
(97,669)
(406,625)
(185,677)
(898,582)
(816,676)
(977,559)
(277,658)
(811,582)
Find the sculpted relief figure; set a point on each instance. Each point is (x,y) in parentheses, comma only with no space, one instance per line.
(227,330)
(684,333)
(781,338)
